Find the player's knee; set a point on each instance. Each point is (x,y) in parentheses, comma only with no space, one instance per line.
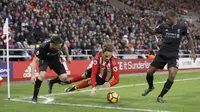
(150,72)
(63,77)
(41,76)
(89,82)
(172,76)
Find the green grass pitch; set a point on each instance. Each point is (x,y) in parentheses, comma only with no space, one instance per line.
(184,96)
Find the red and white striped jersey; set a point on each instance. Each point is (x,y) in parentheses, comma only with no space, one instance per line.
(105,69)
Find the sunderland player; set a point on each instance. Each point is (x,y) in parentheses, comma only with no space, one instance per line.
(105,66)
(48,54)
(172,33)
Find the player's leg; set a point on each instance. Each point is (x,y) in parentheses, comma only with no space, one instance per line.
(57,79)
(85,75)
(83,84)
(172,69)
(149,78)
(158,63)
(42,66)
(60,70)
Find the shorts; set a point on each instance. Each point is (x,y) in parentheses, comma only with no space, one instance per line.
(160,61)
(55,64)
(99,80)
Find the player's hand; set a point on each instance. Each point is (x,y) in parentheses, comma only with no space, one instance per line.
(33,79)
(69,60)
(143,21)
(194,57)
(107,84)
(94,91)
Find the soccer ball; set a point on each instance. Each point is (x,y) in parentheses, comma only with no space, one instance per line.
(113,97)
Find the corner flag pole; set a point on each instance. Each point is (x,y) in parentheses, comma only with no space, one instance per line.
(6,32)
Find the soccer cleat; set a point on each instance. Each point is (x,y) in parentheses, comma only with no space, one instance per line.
(160,99)
(66,82)
(50,86)
(72,88)
(147,91)
(61,83)
(34,100)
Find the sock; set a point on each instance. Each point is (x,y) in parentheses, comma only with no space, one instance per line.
(149,79)
(77,78)
(82,85)
(37,87)
(55,80)
(166,88)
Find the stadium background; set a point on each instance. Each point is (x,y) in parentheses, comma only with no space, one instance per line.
(85,24)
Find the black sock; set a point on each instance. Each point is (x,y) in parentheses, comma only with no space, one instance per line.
(166,88)
(55,80)
(37,87)
(149,79)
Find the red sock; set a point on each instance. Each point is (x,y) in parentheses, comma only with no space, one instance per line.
(76,78)
(82,85)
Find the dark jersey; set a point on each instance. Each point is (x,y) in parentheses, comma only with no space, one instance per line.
(171,38)
(44,52)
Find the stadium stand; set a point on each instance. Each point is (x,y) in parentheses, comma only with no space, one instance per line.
(85,24)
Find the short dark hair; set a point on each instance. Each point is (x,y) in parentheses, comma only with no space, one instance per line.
(56,39)
(171,13)
(108,47)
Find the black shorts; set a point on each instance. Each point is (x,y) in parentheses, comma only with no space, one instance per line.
(99,80)
(55,64)
(160,61)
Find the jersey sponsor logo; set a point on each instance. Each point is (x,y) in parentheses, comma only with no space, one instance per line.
(95,62)
(115,69)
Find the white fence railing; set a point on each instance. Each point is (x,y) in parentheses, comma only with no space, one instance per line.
(81,56)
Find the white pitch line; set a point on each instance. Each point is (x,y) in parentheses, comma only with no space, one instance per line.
(93,106)
(49,100)
(123,86)
(109,107)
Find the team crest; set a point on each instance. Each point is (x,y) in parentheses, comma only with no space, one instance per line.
(115,69)
(95,62)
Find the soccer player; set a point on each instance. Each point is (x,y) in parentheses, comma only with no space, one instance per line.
(104,67)
(172,33)
(48,54)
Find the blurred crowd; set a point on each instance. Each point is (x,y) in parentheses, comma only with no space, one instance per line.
(86,24)
(180,6)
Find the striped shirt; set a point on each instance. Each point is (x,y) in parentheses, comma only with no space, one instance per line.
(105,69)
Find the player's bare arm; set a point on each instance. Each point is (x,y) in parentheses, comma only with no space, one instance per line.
(150,30)
(191,45)
(66,52)
(33,66)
